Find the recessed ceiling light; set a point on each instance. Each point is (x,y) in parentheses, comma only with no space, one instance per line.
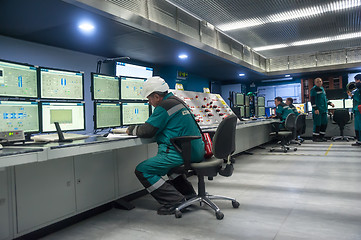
(86,27)
(287,75)
(241,74)
(183,56)
(270,47)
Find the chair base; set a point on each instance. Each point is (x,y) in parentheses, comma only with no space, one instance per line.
(343,138)
(283,148)
(207,200)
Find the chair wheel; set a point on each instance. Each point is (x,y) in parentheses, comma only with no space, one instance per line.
(295,149)
(235,204)
(271,150)
(219,215)
(285,151)
(178,214)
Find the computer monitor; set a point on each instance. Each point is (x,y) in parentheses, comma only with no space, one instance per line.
(18,80)
(130,88)
(61,84)
(247,112)
(107,115)
(134,113)
(19,116)
(348,103)
(261,101)
(300,107)
(338,104)
(104,87)
(261,111)
(69,115)
(239,99)
(131,70)
(242,111)
(246,100)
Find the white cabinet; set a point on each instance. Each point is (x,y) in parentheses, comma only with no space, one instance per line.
(5,223)
(94,179)
(45,193)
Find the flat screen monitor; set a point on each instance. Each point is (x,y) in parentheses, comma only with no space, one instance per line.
(246,100)
(300,107)
(309,107)
(242,111)
(107,115)
(261,101)
(18,80)
(239,99)
(135,113)
(261,111)
(130,88)
(105,87)
(19,116)
(348,103)
(131,70)
(247,112)
(338,104)
(69,115)
(61,84)
(269,111)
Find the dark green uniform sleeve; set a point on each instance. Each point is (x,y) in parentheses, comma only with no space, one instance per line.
(313,94)
(279,111)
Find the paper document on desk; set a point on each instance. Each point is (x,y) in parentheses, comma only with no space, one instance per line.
(119,136)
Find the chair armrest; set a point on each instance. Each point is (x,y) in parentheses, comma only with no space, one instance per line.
(184,147)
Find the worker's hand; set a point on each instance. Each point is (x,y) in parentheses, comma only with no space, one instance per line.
(332,105)
(128,132)
(317,112)
(349,93)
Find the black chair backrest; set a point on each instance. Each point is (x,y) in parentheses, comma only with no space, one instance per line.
(300,122)
(224,140)
(341,116)
(290,121)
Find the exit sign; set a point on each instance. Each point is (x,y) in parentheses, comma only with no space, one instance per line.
(182,75)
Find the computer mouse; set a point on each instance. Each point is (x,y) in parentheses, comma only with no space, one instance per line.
(106,135)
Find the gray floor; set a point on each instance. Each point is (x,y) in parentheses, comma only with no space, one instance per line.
(314,193)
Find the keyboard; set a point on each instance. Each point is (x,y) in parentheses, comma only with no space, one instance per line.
(53,137)
(120,130)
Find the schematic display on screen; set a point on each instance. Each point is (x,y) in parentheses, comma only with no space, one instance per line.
(107,115)
(239,99)
(131,88)
(69,115)
(131,70)
(261,101)
(338,104)
(105,87)
(61,84)
(348,103)
(135,113)
(17,80)
(261,111)
(19,116)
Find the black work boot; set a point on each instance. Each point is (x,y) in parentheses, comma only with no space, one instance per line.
(322,137)
(169,209)
(316,138)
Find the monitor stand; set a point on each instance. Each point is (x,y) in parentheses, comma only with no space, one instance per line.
(60,134)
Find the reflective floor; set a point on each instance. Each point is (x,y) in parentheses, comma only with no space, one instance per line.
(313,193)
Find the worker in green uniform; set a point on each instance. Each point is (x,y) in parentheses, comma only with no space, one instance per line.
(289,102)
(282,111)
(319,111)
(170,119)
(356,96)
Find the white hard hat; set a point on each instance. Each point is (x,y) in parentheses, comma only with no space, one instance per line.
(154,84)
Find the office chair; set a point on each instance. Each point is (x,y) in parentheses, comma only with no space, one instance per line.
(341,117)
(286,135)
(223,147)
(299,129)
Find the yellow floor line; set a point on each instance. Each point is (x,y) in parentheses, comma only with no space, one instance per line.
(329,148)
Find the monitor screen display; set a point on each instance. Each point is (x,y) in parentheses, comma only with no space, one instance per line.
(107,115)
(338,104)
(60,84)
(19,116)
(300,107)
(348,103)
(242,111)
(261,101)
(135,113)
(131,87)
(261,111)
(105,87)
(69,115)
(247,100)
(247,112)
(239,99)
(131,70)
(18,80)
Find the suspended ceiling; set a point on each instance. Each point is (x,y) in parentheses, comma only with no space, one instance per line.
(283,22)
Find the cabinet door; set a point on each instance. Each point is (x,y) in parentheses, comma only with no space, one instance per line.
(95,179)
(45,192)
(4,206)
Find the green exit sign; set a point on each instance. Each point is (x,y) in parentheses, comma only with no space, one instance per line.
(182,75)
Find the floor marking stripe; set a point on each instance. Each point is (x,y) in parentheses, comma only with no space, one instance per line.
(329,148)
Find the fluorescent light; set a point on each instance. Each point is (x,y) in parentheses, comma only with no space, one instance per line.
(241,74)
(287,75)
(183,56)
(311,41)
(269,47)
(311,11)
(86,26)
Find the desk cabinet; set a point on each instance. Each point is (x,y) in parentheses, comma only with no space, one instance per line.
(5,223)
(95,179)
(45,193)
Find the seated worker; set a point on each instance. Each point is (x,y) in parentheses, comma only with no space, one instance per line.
(282,111)
(170,119)
(289,102)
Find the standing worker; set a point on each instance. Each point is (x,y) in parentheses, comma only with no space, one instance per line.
(289,102)
(319,111)
(356,96)
(170,119)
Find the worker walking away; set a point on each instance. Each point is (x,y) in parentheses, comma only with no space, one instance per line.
(289,102)
(170,119)
(356,96)
(319,111)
